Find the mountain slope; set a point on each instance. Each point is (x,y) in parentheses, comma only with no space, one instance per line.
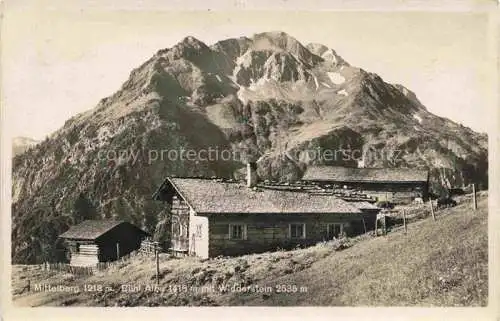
(431,265)
(266,98)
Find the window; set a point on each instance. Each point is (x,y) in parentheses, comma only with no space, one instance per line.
(175,228)
(237,231)
(183,230)
(297,231)
(199,230)
(334,230)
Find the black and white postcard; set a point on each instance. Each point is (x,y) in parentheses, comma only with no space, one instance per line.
(237,155)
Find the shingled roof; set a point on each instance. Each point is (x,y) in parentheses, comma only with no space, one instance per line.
(365,206)
(376,175)
(91,229)
(207,196)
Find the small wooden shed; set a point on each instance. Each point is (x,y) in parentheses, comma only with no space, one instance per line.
(94,241)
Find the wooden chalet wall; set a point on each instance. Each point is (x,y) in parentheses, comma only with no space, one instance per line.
(128,238)
(267,232)
(84,253)
(199,235)
(180,225)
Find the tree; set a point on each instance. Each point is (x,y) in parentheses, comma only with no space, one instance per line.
(83,209)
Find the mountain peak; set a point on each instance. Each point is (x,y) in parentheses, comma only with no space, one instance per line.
(187,48)
(273,34)
(317,48)
(193,42)
(328,54)
(273,40)
(281,41)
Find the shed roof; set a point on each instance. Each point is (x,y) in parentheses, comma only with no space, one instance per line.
(212,196)
(92,229)
(376,175)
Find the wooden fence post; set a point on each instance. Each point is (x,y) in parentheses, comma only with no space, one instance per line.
(385,225)
(432,209)
(376,228)
(364,224)
(117,250)
(474,201)
(404,221)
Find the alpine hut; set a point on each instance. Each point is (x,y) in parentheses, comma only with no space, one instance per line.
(212,217)
(94,241)
(398,185)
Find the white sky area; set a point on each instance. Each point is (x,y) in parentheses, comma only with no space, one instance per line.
(58,61)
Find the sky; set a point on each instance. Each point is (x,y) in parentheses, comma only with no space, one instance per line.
(61,59)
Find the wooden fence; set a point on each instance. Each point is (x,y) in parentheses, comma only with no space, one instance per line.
(403,215)
(65,267)
(87,270)
(412,213)
(149,247)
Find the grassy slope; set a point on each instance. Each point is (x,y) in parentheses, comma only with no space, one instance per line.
(435,264)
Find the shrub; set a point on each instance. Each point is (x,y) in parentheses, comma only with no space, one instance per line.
(341,243)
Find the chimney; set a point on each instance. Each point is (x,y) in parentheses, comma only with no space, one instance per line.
(251,174)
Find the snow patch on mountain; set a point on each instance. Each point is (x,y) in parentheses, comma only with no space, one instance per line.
(316,82)
(342,92)
(241,95)
(336,78)
(330,56)
(418,118)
